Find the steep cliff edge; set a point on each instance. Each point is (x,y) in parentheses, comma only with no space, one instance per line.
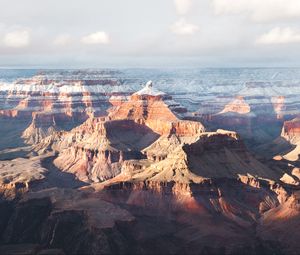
(42,125)
(158,111)
(290,134)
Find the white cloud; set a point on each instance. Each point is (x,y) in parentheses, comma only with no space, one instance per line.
(182,27)
(62,40)
(96,38)
(279,36)
(183,6)
(259,10)
(17,38)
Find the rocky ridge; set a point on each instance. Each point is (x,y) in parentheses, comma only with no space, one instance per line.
(97,149)
(159,184)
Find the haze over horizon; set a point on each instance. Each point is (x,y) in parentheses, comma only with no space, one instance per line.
(132,33)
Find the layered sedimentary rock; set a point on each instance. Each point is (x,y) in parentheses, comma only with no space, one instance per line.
(67,99)
(286,145)
(98,155)
(23,99)
(218,101)
(291,130)
(290,134)
(166,207)
(96,150)
(158,184)
(146,134)
(240,202)
(158,111)
(218,154)
(42,125)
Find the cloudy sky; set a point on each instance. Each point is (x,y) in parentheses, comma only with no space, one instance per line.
(149,33)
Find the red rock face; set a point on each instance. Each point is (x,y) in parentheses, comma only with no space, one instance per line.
(72,101)
(97,149)
(42,126)
(155,113)
(190,191)
(148,108)
(178,127)
(278,223)
(145,156)
(291,128)
(291,134)
(61,104)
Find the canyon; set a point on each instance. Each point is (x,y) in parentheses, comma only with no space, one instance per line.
(103,166)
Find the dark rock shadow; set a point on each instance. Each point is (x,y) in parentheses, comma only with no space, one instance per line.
(57,178)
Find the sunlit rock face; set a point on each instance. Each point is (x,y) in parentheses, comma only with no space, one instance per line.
(291,130)
(98,153)
(290,134)
(246,101)
(65,97)
(145,133)
(68,99)
(172,170)
(286,146)
(42,126)
(152,181)
(158,111)
(97,149)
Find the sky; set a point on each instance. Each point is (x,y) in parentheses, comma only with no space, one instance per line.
(149,33)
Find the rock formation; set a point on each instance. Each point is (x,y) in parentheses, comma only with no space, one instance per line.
(42,125)
(61,102)
(288,144)
(238,105)
(18,175)
(145,139)
(152,180)
(96,150)
(291,130)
